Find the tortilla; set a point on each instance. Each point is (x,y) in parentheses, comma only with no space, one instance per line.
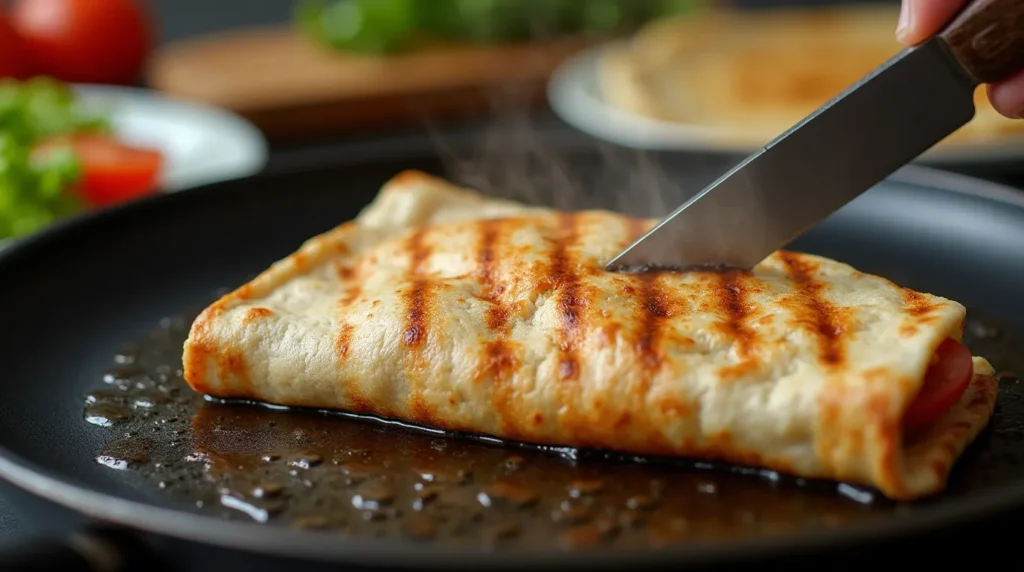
(441,307)
(747,76)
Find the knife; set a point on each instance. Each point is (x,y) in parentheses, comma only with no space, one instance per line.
(851,143)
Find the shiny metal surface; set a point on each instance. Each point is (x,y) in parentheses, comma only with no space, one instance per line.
(891,116)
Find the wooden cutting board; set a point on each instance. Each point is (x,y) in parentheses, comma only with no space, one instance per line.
(292,88)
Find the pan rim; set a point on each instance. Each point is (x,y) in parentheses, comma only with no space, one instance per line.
(280,541)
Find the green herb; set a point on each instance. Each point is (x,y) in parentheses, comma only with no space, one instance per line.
(668,8)
(33,190)
(41,107)
(378,26)
(34,187)
(388,26)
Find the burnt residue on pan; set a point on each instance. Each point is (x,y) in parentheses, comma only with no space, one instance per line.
(364,478)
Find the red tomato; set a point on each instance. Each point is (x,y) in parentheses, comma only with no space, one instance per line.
(89,41)
(944,384)
(13,55)
(112,172)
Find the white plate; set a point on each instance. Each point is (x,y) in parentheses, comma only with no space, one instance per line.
(200,144)
(574,94)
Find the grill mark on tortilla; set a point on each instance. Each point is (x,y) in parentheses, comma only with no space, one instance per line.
(349,277)
(814,312)
(497,313)
(917,305)
(570,300)
(344,339)
(416,297)
(654,309)
(498,359)
(415,332)
(500,363)
(732,301)
(417,316)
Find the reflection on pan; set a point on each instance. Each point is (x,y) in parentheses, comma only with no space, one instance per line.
(368,479)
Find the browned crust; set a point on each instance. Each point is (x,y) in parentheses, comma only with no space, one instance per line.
(654,306)
(815,313)
(229,361)
(498,361)
(415,336)
(565,280)
(492,289)
(731,298)
(563,277)
(202,349)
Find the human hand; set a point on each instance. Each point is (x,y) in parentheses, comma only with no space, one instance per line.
(921,19)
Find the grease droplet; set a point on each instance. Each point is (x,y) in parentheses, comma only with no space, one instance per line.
(707,488)
(306,461)
(641,502)
(125,453)
(508,493)
(267,490)
(514,463)
(106,414)
(581,488)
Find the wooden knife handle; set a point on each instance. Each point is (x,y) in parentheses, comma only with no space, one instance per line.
(988,38)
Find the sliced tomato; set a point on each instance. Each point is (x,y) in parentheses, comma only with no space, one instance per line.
(112,172)
(944,384)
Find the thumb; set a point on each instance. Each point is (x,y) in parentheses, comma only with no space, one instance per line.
(922,19)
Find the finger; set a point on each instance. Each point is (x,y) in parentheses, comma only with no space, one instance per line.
(1008,96)
(922,19)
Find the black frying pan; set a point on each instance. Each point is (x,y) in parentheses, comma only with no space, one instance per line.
(71,297)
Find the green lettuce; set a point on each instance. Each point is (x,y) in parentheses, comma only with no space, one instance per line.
(34,187)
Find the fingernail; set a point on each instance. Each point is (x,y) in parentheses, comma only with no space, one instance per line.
(903,24)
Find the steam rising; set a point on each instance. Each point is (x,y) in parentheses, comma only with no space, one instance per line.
(516,157)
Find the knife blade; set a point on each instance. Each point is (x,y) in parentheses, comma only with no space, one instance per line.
(885,120)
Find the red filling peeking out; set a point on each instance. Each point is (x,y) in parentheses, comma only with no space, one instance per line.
(944,384)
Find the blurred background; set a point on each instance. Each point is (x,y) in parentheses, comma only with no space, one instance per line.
(105,101)
(175,23)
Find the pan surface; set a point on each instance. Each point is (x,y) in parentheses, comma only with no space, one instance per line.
(73,297)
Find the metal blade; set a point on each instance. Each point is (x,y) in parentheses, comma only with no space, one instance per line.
(850,144)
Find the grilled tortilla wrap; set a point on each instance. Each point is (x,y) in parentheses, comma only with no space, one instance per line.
(441,307)
(750,75)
